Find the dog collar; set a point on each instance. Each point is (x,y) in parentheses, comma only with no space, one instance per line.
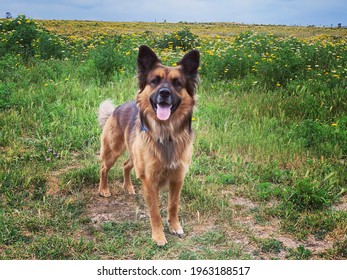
(143,127)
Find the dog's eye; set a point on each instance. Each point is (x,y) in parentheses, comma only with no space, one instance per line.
(177,83)
(155,81)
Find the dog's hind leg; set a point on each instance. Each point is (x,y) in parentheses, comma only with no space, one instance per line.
(106,165)
(108,157)
(127,185)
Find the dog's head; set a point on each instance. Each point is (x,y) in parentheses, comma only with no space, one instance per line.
(166,92)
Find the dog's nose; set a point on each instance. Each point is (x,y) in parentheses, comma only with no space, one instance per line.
(164,92)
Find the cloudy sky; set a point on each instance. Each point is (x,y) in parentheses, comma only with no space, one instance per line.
(289,12)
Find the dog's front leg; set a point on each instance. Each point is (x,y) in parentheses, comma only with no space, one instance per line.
(151,194)
(174,198)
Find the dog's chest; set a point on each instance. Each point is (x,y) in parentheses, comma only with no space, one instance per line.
(162,154)
(168,151)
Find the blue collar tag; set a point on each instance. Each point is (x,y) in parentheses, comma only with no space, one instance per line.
(144,128)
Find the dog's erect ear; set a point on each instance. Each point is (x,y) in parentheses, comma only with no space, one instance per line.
(146,61)
(190,63)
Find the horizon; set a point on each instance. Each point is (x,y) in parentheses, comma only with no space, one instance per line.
(178,22)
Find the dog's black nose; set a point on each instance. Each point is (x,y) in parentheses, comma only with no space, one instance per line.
(164,92)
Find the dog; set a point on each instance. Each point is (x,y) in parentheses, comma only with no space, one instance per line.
(156,130)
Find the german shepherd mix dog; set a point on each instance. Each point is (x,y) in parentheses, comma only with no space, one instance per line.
(156,131)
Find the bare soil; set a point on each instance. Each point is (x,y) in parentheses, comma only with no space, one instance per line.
(242,230)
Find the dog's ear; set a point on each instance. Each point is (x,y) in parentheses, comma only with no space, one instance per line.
(146,61)
(190,63)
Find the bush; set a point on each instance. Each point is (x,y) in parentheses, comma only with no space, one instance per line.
(107,59)
(49,46)
(183,39)
(18,36)
(23,37)
(100,65)
(104,60)
(275,62)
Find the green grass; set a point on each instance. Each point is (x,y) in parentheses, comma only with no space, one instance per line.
(271,245)
(267,158)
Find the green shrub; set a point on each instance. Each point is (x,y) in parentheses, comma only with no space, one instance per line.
(18,36)
(49,46)
(104,60)
(275,62)
(233,63)
(183,39)
(107,59)
(23,37)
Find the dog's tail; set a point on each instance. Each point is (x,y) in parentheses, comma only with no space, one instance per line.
(106,108)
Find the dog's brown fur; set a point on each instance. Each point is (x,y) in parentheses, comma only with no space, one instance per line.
(159,144)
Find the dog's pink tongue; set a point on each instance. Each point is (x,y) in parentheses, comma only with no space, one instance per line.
(163,112)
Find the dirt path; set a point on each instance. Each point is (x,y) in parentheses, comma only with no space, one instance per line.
(244,231)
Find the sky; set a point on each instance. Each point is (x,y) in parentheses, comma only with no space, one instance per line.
(287,12)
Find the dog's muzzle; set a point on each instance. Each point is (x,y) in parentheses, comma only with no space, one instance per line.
(164,96)
(164,103)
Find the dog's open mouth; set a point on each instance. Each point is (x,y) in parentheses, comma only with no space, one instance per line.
(163,111)
(164,103)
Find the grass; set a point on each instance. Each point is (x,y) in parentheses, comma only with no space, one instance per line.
(268,177)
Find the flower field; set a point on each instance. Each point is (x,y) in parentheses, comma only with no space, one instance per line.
(269,173)
(267,59)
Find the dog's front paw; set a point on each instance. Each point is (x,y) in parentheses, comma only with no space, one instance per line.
(104,192)
(159,239)
(176,230)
